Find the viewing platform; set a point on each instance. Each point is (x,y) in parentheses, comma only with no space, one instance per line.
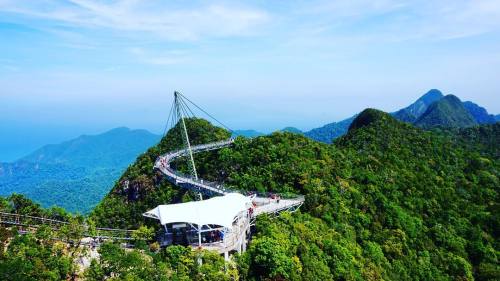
(221,223)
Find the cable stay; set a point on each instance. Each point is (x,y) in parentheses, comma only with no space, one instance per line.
(183,108)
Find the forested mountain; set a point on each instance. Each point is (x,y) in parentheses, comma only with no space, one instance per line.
(292,130)
(247,133)
(411,113)
(446,112)
(331,131)
(481,116)
(114,148)
(387,201)
(75,174)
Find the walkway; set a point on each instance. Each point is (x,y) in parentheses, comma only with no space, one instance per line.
(264,204)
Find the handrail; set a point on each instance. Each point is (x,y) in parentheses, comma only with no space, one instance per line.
(33,221)
(163,164)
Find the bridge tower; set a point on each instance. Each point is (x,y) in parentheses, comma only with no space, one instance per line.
(179,109)
(179,112)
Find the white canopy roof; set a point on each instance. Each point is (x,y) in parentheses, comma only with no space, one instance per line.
(217,210)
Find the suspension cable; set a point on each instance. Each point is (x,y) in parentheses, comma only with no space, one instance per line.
(208,114)
(167,127)
(186,106)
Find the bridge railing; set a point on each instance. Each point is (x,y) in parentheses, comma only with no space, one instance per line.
(26,220)
(201,182)
(34,222)
(169,157)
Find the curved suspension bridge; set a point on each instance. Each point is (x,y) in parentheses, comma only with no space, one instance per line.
(263,204)
(180,110)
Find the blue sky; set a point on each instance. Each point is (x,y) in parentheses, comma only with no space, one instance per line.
(82,66)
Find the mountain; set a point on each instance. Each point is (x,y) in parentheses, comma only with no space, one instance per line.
(331,131)
(247,133)
(386,201)
(446,112)
(412,112)
(114,148)
(292,130)
(77,173)
(497,117)
(481,116)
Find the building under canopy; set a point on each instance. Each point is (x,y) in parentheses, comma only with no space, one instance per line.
(219,223)
(221,210)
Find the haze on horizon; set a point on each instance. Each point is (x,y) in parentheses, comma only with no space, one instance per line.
(82,67)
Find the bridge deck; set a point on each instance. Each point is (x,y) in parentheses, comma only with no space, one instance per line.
(264,205)
(272,206)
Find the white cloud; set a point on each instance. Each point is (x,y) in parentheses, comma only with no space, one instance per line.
(397,20)
(168,22)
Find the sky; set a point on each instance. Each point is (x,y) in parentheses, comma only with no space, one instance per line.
(85,66)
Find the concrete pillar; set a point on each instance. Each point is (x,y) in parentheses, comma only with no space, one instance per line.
(199,236)
(226,256)
(244,242)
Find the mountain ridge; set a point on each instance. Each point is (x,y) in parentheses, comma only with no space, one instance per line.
(410,114)
(446,112)
(77,173)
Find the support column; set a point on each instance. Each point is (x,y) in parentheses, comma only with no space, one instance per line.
(199,236)
(244,242)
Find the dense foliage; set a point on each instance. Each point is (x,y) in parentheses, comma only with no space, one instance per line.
(172,263)
(483,139)
(19,204)
(33,257)
(446,112)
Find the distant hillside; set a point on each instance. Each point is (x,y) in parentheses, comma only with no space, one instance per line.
(77,173)
(446,112)
(292,130)
(481,116)
(331,131)
(247,133)
(114,148)
(411,114)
